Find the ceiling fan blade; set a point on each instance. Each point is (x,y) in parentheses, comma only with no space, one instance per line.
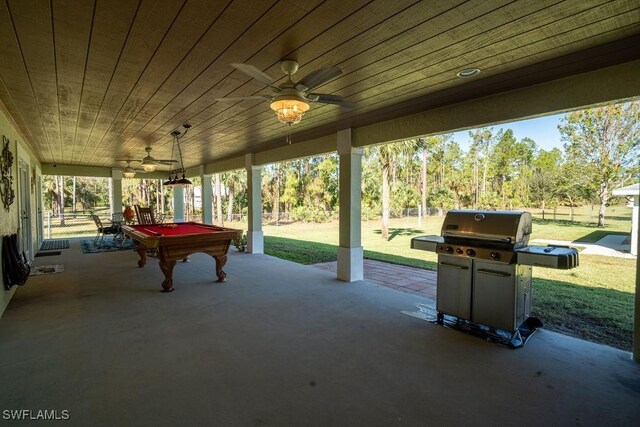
(166,162)
(331,99)
(317,77)
(244,98)
(252,71)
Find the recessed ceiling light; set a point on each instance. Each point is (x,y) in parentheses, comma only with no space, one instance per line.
(468,72)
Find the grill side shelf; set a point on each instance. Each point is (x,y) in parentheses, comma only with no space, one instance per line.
(559,257)
(426,243)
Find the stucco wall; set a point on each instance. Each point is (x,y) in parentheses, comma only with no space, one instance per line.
(9,221)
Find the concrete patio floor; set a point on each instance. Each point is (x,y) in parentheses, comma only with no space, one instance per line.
(280,344)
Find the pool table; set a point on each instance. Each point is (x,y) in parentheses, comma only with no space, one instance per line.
(176,241)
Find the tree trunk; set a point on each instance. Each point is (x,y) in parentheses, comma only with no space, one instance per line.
(604,199)
(61,200)
(570,209)
(423,172)
(219,200)
(485,171)
(73,202)
(504,195)
(442,168)
(393,166)
(385,201)
(230,203)
(54,195)
(276,196)
(140,195)
(475,181)
(192,199)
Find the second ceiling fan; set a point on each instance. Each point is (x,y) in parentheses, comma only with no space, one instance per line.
(149,163)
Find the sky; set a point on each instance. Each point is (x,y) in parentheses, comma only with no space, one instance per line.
(543,130)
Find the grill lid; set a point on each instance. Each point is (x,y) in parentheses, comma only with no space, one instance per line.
(487,228)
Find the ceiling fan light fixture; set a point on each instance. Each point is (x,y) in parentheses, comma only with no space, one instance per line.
(128,173)
(148,167)
(290,109)
(468,72)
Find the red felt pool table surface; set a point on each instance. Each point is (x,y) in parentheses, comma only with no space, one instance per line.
(177,229)
(176,241)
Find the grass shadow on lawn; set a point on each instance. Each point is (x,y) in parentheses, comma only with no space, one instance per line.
(597,235)
(307,253)
(591,313)
(565,223)
(394,232)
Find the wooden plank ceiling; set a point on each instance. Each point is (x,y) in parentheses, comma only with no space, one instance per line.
(90,82)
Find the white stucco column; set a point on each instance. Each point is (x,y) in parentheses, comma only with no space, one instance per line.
(115,196)
(255,237)
(207,199)
(636,315)
(178,204)
(635,225)
(350,251)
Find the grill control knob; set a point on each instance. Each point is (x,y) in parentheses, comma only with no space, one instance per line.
(448,249)
(471,252)
(494,255)
(459,251)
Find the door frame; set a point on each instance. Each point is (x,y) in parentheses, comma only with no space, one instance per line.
(24,197)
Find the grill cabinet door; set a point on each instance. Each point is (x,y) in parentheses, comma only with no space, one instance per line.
(497,296)
(454,286)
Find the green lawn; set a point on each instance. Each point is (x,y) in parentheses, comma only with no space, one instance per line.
(593,301)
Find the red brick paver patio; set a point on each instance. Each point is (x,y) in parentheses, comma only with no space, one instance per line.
(400,277)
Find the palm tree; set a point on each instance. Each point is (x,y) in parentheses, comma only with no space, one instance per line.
(388,155)
(234,180)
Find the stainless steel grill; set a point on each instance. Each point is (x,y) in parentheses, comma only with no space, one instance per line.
(484,266)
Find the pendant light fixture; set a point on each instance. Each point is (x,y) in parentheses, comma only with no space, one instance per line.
(177,176)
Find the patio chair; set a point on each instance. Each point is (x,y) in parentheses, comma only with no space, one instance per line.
(102,231)
(160,217)
(144,215)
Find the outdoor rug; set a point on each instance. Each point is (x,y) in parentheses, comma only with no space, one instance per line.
(46,269)
(39,254)
(107,245)
(50,245)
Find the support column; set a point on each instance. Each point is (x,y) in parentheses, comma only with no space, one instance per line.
(350,251)
(635,225)
(115,197)
(636,314)
(207,199)
(178,203)
(255,237)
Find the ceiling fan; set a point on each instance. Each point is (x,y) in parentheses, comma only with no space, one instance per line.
(291,99)
(129,171)
(149,164)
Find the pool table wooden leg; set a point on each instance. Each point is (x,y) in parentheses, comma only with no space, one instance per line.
(221,260)
(142,251)
(167,269)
